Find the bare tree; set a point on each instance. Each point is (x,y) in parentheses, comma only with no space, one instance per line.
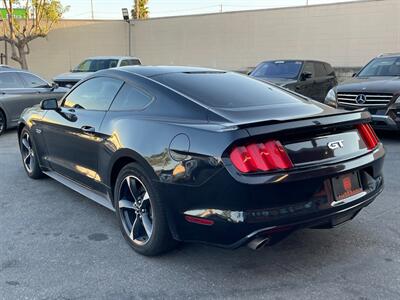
(37,21)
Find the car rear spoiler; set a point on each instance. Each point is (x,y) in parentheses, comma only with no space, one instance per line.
(343,118)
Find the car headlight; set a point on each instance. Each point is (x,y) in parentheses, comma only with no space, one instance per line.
(330,98)
(397,100)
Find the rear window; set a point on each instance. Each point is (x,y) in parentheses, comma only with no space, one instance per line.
(329,69)
(225,89)
(320,70)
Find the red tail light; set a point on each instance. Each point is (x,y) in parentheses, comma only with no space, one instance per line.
(368,135)
(200,221)
(260,157)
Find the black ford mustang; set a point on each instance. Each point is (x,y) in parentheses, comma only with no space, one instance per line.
(193,154)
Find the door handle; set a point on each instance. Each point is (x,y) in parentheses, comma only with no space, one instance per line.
(88,129)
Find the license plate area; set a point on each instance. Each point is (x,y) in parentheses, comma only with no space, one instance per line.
(346,185)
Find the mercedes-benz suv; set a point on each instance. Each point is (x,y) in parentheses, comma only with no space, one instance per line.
(375,87)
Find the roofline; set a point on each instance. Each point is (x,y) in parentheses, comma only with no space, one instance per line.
(227,12)
(290,59)
(22,71)
(388,54)
(150,78)
(112,56)
(258,10)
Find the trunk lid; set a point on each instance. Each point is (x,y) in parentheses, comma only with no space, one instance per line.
(324,139)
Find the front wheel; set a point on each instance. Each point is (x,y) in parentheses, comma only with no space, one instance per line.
(140,212)
(29,156)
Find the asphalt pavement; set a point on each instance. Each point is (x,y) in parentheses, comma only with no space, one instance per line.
(56,244)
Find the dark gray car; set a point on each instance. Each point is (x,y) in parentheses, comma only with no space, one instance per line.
(19,90)
(307,77)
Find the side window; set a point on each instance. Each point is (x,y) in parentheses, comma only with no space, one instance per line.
(10,80)
(329,70)
(309,68)
(319,70)
(32,81)
(94,94)
(129,62)
(130,98)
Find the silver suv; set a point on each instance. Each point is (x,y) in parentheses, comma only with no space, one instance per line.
(91,65)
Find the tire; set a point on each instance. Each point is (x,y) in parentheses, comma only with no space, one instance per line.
(140,212)
(3,122)
(29,157)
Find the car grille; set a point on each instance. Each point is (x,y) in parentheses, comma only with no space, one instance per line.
(368,100)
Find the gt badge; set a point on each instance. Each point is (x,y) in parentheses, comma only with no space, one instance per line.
(335,145)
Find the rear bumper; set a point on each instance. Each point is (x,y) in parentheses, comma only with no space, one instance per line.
(329,220)
(242,210)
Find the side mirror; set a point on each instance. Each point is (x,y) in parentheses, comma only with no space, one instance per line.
(354,75)
(49,104)
(54,86)
(306,75)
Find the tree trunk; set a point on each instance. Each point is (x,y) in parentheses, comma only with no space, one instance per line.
(136,10)
(20,56)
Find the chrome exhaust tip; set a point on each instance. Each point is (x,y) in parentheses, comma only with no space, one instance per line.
(258,243)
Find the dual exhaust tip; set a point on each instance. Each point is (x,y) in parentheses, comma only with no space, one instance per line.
(259,242)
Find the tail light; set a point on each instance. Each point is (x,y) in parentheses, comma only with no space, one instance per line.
(200,221)
(368,135)
(261,157)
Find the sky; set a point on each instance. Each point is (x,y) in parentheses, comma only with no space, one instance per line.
(111,9)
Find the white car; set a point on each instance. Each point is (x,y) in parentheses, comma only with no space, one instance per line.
(91,65)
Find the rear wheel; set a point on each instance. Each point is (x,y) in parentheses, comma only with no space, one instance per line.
(140,213)
(29,157)
(3,122)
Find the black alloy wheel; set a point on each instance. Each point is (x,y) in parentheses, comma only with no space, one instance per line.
(140,213)
(136,210)
(29,159)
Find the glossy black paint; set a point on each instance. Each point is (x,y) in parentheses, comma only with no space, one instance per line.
(309,82)
(184,146)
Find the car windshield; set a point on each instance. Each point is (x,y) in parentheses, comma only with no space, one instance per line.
(278,69)
(94,65)
(387,66)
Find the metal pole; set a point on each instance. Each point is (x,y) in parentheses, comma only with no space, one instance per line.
(130,44)
(6,52)
(91,5)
